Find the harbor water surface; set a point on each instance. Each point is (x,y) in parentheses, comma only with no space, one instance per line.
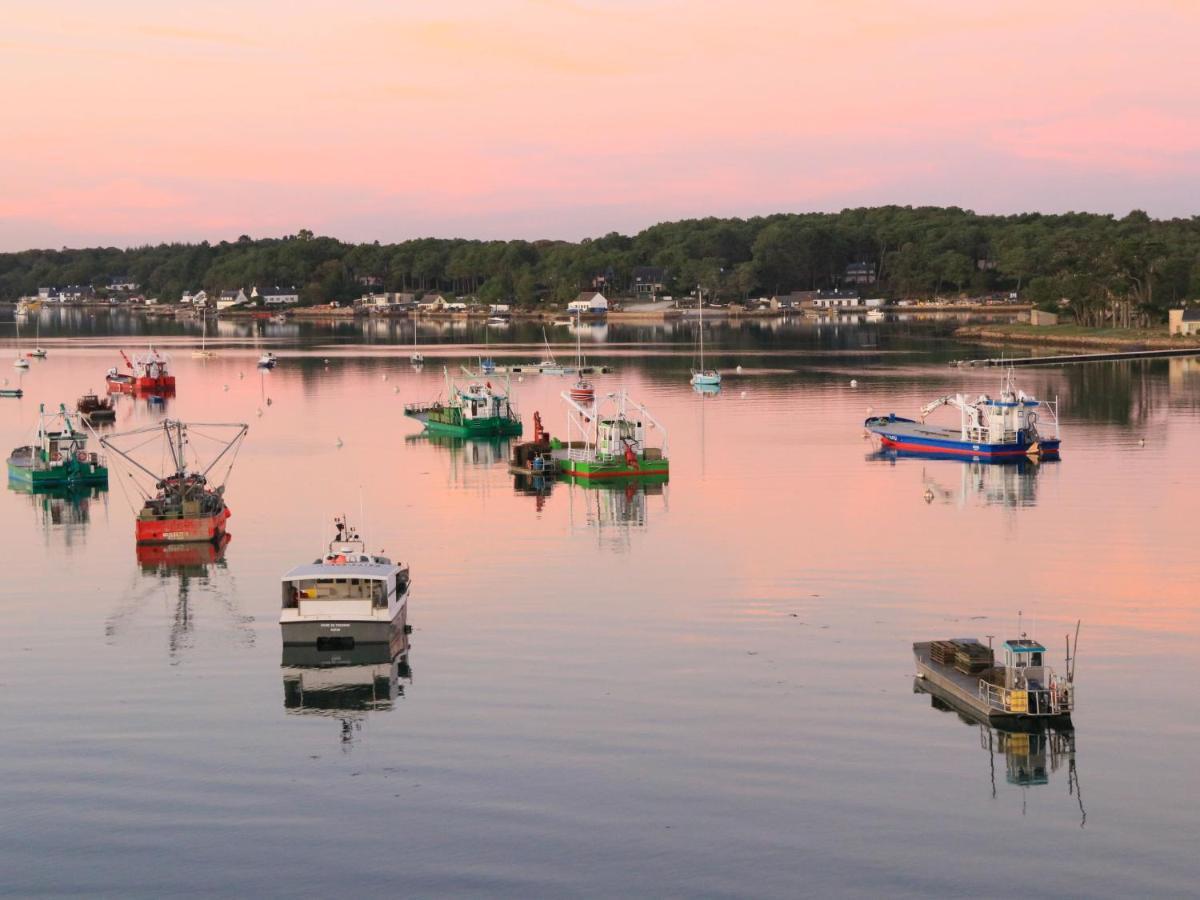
(703,689)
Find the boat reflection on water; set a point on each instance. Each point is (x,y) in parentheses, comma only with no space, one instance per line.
(191,559)
(1031,754)
(534,485)
(1012,484)
(475,451)
(469,457)
(193,569)
(346,683)
(613,509)
(64,510)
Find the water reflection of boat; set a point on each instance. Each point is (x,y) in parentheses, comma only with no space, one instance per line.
(475,451)
(192,558)
(1012,484)
(614,509)
(187,568)
(346,684)
(61,508)
(1031,754)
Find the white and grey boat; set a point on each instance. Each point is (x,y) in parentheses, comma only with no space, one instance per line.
(345,598)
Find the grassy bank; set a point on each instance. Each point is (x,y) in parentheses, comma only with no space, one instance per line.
(1076,336)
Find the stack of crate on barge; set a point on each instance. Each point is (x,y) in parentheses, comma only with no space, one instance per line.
(967,656)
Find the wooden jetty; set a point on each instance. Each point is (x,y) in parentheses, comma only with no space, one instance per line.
(1066,359)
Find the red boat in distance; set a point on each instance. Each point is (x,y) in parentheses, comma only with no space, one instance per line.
(148,374)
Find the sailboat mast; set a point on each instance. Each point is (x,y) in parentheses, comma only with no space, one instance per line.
(700,296)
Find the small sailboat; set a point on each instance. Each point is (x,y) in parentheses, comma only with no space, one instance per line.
(703,377)
(267,361)
(20,362)
(549,365)
(416,358)
(203,352)
(37,352)
(487,365)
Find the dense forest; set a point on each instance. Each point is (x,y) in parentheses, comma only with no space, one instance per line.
(1123,271)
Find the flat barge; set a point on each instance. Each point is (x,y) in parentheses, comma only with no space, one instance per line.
(1021,691)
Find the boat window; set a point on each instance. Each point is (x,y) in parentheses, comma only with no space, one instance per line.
(1036,659)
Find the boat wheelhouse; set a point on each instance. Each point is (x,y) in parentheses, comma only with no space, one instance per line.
(148,373)
(1022,687)
(95,410)
(345,598)
(991,428)
(476,410)
(59,457)
(607,439)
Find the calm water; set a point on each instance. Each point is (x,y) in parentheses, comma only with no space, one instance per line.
(703,691)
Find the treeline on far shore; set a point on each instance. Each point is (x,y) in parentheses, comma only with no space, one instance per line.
(1100,269)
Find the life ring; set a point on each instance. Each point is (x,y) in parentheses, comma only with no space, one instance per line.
(82,456)
(56,456)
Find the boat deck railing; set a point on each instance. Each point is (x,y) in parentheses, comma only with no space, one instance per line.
(1055,700)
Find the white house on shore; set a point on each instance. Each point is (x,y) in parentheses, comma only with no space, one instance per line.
(386,301)
(589,303)
(276,296)
(436,303)
(199,298)
(230,299)
(124,283)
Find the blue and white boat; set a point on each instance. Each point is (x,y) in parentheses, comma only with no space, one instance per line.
(989,428)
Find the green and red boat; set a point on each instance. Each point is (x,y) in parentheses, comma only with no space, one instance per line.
(60,457)
(606,439)
(477,410)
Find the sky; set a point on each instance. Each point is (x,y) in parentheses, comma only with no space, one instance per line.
(133,122)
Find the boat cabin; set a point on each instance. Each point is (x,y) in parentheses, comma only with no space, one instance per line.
(615,436)
(1024,664)
(479,402)
(346,582)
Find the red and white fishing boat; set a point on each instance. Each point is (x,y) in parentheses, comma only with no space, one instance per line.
(182,505)
(148,374)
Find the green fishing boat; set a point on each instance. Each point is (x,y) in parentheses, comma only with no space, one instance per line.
(60,457)
(607,439)
(477,410)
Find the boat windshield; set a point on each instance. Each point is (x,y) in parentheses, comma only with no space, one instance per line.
(336,589)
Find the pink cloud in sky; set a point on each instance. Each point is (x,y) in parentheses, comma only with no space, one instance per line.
(137,121)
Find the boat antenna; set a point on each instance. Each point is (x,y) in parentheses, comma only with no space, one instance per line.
(1020,633)
(1074,654)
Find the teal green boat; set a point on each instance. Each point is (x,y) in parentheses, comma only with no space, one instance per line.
(477,410)
(60,457)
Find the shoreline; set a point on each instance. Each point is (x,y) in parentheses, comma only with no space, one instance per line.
(1075,336)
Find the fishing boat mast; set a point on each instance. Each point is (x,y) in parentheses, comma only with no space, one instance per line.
(175,432)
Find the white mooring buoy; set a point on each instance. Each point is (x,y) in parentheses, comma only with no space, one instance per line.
(853,382)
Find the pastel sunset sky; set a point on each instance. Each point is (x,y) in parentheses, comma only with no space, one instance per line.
(134,121)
